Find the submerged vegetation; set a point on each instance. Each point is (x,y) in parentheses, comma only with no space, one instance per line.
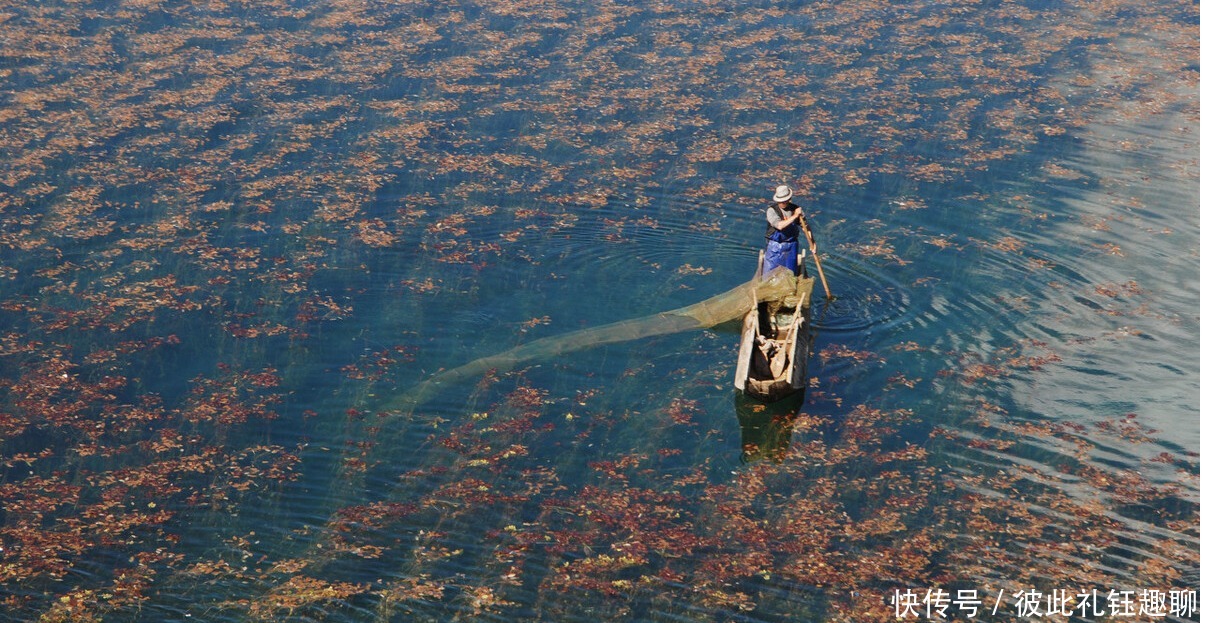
(198,197)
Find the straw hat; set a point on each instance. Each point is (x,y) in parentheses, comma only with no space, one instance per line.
(783,193)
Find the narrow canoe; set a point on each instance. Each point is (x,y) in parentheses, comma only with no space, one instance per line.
(776,343)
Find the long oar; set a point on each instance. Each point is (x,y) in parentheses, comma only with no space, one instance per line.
(824,282)
(820,269)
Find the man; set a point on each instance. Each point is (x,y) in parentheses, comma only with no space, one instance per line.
(784,222)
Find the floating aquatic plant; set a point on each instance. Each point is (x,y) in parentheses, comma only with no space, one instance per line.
(190,184)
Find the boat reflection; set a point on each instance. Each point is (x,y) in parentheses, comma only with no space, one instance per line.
(766,427)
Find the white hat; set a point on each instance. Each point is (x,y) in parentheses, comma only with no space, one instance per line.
(783,193)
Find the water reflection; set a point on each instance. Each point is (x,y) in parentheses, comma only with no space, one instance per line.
(766,428)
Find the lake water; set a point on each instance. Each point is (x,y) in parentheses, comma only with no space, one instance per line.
(237,235)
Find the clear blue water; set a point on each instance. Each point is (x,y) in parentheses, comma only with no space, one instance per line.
(235,234)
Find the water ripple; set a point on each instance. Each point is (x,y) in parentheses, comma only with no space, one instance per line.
(866,297)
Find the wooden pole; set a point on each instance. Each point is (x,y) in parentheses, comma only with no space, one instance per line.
(824,282)
(820,269)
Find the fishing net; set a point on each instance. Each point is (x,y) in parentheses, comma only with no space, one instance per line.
(779,285)
(730,305)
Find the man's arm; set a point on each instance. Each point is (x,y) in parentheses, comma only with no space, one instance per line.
(782,223)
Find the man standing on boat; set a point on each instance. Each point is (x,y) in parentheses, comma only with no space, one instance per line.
(784,222)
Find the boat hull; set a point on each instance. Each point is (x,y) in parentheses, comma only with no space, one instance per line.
(776,345)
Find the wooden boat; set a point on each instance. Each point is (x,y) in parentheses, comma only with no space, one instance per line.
(776,343)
